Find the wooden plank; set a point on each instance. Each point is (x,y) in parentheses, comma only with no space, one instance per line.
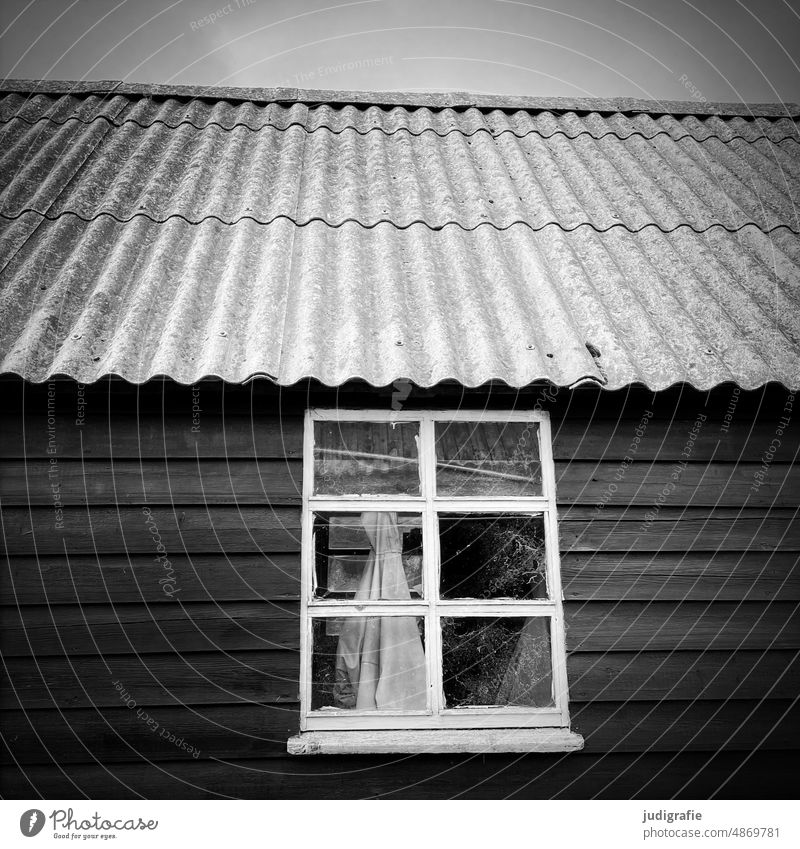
(121,734)
(750,576)
(106,530)
(443,741)
(677,675)
(591,626)
(677,403)
(117,578)
(118,734)
(623,626)
(198,678)
(147,629)
(687,533)
(688,775)
(665,439)
(130,435)
(151,481)
(614,484)
(687,726)
(157,481)
(235,529)
(157,397)
(219,677)
(644,515)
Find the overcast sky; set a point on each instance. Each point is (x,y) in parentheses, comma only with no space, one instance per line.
(705,49)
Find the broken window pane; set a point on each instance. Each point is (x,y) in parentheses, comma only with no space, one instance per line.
(366,458)
(487,459)
(499,662)
(368,663)
(372,555)
(492,556)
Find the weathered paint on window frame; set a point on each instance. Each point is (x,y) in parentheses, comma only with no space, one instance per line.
(430,608)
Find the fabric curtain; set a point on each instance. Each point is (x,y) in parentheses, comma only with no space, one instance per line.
(380,661)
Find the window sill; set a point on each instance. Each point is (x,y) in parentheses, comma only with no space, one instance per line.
(441,741)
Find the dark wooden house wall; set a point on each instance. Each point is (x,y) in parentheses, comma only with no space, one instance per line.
(124,675)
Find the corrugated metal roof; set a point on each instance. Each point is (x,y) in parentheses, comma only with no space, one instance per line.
(429,99)
(172,112)
(184,237)
(162,171)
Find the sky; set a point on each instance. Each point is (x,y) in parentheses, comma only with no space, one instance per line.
(706,50)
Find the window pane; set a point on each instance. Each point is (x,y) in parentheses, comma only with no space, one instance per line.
(366,458)
(368,663)
(492,556)
(497,662)
(487,458)
(371,556)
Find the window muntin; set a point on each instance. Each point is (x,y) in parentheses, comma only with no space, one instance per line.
(521,616)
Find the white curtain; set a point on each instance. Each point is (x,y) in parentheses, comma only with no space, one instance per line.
(380,661)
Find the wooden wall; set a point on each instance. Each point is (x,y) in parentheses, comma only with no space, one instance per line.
(123,676)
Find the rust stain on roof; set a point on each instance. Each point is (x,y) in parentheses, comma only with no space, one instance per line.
(184,236)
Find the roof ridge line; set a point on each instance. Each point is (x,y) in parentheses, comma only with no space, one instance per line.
(431,100)
(119,121)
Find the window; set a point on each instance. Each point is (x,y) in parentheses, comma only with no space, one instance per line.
(431,598)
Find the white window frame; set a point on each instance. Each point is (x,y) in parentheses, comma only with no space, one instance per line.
(428,504)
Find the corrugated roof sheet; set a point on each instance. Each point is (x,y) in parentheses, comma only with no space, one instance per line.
(163,172)
(173,112)
(184,237)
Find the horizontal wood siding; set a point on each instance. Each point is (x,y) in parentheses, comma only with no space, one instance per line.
(200,626)
(617,775)
(242,676)
(680,604)
(258,731)
(243,481)
(242,530)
